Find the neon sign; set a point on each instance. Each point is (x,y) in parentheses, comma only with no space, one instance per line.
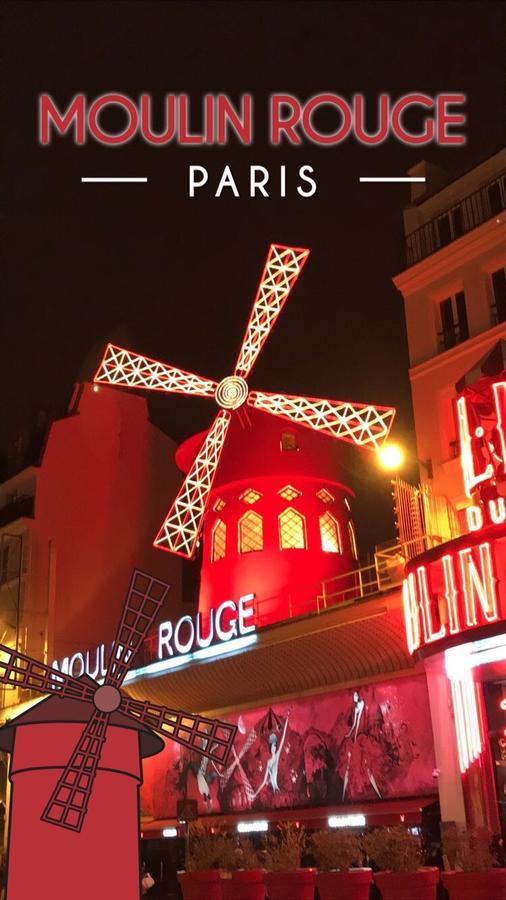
(451,594)
(482,435)
(229,627)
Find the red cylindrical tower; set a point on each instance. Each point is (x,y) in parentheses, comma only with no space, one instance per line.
(279,518)
(53,863)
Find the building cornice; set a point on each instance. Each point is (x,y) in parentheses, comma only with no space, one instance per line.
(478,343)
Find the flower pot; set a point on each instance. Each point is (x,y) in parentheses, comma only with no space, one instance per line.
(296,885)
(244,884)
(199,885)
(419,885)
(476,885)
(352,885)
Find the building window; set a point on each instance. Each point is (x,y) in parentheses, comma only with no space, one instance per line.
(292,530)
(251,532)
(495,199)
(219,505)
(250,496)
(4,564)
(353,539)
(325,496)
(289,441)
(219,541)
(499,289)
(329,534)
(454,325)
(289,492)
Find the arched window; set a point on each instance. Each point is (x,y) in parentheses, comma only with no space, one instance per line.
(353,539)
(289,441)
(330,534)
(292,530)
(218,540)
(251,532)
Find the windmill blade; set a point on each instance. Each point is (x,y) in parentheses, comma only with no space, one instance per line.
(20,671)
(180,531)
(144,600)
(123,368)
(356,423)
(68,803)
(209,737)
(282,268)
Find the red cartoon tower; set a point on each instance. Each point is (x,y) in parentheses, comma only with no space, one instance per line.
(279,518)
(50,862)
(77,756)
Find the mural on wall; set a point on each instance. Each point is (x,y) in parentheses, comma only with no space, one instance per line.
(367,744)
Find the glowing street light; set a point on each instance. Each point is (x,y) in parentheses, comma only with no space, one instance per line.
(391,457)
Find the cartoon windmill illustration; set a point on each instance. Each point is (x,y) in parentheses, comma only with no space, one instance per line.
(356,423)
(97,768)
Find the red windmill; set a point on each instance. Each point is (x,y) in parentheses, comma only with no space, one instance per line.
(357,423)
(99,765)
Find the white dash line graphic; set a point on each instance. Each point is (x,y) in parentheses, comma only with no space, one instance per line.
(419,179)
(114,180)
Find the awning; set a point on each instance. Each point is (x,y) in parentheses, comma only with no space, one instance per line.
(347,645)
(490,365)
(383,812)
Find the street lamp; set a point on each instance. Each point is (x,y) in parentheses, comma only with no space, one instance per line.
(392,457)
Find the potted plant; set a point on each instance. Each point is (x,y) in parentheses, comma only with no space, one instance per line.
(397,854)
(284,879)
(337,855)
(243,878)
(202,876)
(471,872)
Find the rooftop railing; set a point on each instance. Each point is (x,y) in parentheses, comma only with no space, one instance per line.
(457,220)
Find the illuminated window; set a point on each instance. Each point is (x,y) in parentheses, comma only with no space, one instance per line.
(353,539)
(329,533)
(292,530)
(219,505)
(289,492)
(289,441)
(219,540)
(325,496)
(251,532)
(250,496)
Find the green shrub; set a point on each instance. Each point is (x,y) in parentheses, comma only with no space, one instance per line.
(393,849)
(467,850)
(284,850)
(336,849)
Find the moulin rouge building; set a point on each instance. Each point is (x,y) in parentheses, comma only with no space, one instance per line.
(376,690)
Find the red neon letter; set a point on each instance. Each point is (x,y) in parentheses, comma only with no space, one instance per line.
(451,594)
(398,129)
(444,118)
(114,100)
(426,608)
(333,100)
(411,615)
(499,389)
(471,479)
(278,125)
(359,118)
(228,118)
(74,115)
(478,584)
(170,120)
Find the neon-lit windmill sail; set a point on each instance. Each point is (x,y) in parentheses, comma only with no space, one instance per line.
(357,423)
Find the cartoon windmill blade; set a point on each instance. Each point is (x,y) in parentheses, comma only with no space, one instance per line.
(69,801)
(356,423)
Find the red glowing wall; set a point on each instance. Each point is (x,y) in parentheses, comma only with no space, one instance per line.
(341,747)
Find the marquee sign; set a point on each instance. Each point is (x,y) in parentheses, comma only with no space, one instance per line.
(186,638)
(460,585)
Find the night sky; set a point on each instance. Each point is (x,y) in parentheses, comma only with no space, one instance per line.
(173,277)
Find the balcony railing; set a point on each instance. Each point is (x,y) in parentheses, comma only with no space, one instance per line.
(457,220)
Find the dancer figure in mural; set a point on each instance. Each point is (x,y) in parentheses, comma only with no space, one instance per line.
(271,769)
(359,751)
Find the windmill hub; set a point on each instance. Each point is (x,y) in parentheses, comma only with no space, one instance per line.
(107,698)
(232,392)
